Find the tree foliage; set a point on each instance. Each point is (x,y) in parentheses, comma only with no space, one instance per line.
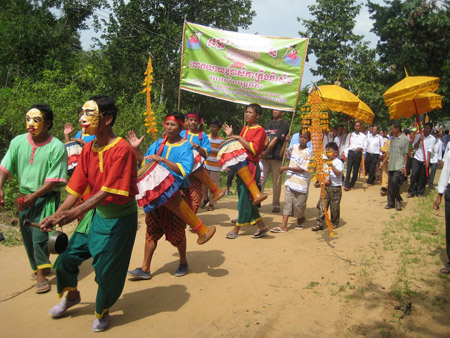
(137,28)
(344,56)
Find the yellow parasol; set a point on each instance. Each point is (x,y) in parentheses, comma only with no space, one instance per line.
(424,103)
(412,96)
(341,100)
(410,87)
(365,114)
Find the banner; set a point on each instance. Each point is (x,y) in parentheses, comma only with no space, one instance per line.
(242,68)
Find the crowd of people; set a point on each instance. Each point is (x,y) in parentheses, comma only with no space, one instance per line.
(104,183)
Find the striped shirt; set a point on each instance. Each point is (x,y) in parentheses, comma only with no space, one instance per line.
(211,162)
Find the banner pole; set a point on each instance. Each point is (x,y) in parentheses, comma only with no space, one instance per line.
(181,64)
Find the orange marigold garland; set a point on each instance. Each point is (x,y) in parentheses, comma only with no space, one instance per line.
(150,121)
(315,120)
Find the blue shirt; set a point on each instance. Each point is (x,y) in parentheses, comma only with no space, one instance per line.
(195,138)
(179,153)
(84,137)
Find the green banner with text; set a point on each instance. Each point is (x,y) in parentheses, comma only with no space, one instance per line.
(242,68)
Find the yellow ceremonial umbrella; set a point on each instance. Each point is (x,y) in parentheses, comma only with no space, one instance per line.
(413,96)
(341,100)
(422,103)
(365,114)
(410,87)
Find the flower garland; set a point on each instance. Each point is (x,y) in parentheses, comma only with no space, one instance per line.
(150,121)
(317,122)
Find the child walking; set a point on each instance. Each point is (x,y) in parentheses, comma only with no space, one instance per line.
(333,189)
(297,184)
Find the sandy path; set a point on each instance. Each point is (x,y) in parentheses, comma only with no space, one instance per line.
(283,285)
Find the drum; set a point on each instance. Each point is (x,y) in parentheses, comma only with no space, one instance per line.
(198,161)
(232,155)
(73,149)
(155,185)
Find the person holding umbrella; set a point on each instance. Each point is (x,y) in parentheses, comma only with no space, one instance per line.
(420,163)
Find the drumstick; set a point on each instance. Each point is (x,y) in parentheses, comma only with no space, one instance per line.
(284,146)
(28,223)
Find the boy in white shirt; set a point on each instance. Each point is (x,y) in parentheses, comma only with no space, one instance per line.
(333,189)
(297,184)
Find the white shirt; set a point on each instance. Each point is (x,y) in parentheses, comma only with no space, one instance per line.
(444,179)
(340,141)
(354,141)
(374,143)
(436,155)
(336,181)
(429,142)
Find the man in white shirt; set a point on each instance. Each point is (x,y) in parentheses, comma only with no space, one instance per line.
(355,145)
(339,139)
(419,162)
(373,152)
(443,187)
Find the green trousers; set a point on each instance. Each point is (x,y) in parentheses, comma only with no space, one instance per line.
(34,240)
(109,242)
(248,214)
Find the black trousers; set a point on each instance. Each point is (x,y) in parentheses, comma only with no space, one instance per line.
(418,178)
(353,163)
(394,183)
(447,222)
(371,165)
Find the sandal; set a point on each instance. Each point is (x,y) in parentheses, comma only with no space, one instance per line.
(445,271)
(43,287)
(317,228)
(260,233)
(277,230)
(232,235)
(210,208)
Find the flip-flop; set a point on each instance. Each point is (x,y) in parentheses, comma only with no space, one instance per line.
(43,287)
(277,230)
(260,233)
(445,271)
(232,235)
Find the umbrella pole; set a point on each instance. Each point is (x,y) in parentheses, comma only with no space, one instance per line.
(421,135)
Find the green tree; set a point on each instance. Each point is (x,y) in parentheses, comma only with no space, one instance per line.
(343,55)
(40,35)
(331,37)
(137,28)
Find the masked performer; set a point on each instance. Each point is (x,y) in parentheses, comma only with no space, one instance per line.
(107,168)
(39,161)
(252,138)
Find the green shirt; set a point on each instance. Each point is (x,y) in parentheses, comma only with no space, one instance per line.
(35,164)
(398,148)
